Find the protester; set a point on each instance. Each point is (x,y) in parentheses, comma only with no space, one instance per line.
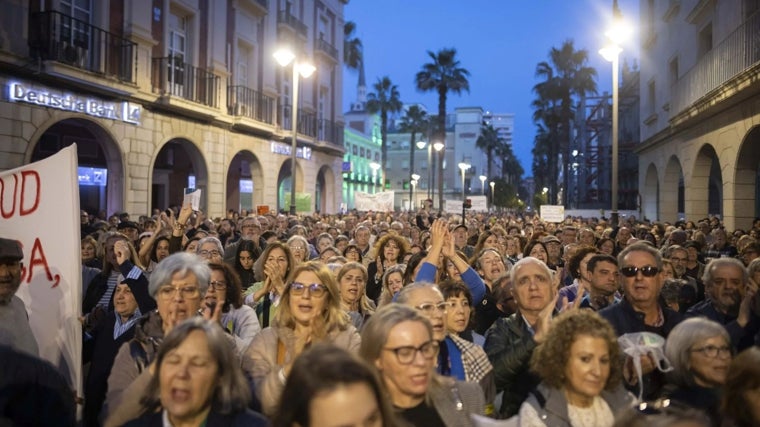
(490,266)
(15,331)
(277,264)
(250,230)
(392,282)
(741,398)
(329,386)
(352,278)
(604,282)
(389,251)
(398,342)
(244,260)
(224,303)
(100,290)
(459,314)
(309,313)
(198,382)
(580,367)
(89,248)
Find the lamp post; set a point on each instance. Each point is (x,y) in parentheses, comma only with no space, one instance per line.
(463,167)
(415,180)
(438,146)
(284,57)
(615,35)
(421,145)
(493,185)
(374,166)
(483,183)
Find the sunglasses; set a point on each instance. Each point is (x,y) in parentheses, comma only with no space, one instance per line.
(647,271)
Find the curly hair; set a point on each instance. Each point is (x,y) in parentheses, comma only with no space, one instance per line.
(551,357)
(574,263)
(402,243)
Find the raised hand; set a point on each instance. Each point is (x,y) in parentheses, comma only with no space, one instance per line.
(121,250)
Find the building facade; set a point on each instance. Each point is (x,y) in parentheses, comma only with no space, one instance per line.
(700,110)
(167,94)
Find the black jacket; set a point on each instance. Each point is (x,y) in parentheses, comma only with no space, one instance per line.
(139,287)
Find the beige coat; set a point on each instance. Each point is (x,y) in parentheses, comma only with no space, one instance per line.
(260,360)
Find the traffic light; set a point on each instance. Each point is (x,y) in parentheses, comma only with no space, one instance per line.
(467,203)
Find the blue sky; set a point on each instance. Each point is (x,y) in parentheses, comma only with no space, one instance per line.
(498,41)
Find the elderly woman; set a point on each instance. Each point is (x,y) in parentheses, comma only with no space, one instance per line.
(389,251)
(351,279)
(398,342)
(309,312)
(330,386)
(277,264)
(580,366)
(177,284)
(224,302)
(700,352)
(210,248)
(741,399)
(299,246)
(198,382)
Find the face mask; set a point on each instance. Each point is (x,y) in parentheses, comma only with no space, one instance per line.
(645,343)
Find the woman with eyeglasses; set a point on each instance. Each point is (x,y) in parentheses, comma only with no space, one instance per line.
(299,246)
(700,352)
(352,253)
(223,302)
(309,312)
(398,342)
(580,366)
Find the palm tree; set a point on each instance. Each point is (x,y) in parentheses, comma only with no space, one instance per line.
(442,75)
(352,47)
(488,141)
(414,121)
(511,169)
(567,76)
(546,117)
(385,99)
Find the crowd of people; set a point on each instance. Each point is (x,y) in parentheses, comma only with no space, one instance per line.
(401,318)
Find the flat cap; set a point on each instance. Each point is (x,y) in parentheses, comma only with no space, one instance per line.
(10,249)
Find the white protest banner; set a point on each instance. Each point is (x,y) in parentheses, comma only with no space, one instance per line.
(452,206)
(553,213)
(39,207)
(380,202)
(479,203)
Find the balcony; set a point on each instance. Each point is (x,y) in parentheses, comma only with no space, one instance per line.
(330,131)
(246,102)
(307,122)
(54,36)
(172,76)
(284,18)
(327,49)
(735,54)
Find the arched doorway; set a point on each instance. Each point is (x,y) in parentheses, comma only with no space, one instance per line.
(671,196)
(651,194)
(178,165)
(245,178)
(325,191)
(284,186)
(747,180)
(705,191)
(101,169)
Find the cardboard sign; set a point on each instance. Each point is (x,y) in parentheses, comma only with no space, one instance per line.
(553,213)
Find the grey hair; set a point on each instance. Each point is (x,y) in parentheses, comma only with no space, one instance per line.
(231,393)
(707,276)
(641,247)
(753,266)
(403,295)
(180,262)
(529,260)
(377,329)
(300,239)
(679,343)
(210,239)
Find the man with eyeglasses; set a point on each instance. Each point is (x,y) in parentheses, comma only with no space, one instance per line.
(510,341)
(250,229)
(457,357)
(641,310)
(679,257)
(731,301)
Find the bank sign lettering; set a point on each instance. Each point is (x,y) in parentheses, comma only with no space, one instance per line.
(127,112)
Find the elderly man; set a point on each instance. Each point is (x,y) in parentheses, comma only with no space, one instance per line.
(731,301)
(553,251)
(510,341)
(457,357)
(250,229)
(679,257)
(641,310)
(14,320)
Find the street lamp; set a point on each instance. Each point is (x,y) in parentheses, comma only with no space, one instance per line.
(493,185)
(463,167)
(415,180)
(284,57)
(483,183)
(438,146)
(615,35)
(374,166)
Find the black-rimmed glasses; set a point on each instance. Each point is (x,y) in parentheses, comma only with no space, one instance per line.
(406,354)
(218,285)
(712,351)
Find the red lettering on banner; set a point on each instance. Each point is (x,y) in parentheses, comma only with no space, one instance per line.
(38,259)
(29,194)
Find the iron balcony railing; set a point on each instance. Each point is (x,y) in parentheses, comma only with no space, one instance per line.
(62,38)
(330,131)
(284,17)
(326,47)
(172,76)
(246,102)
(736,53)
(307,122)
